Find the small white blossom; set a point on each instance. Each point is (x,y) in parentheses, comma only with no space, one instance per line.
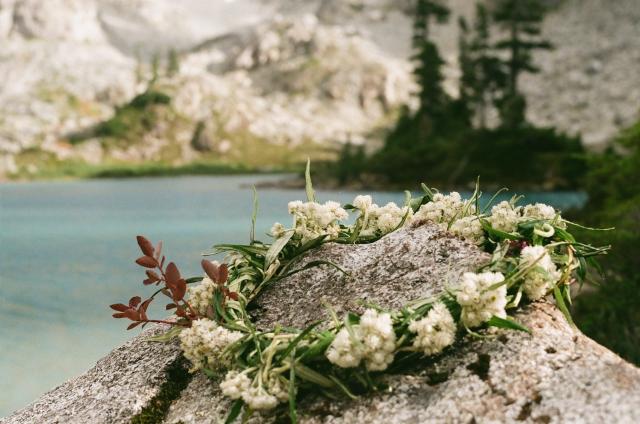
(443,209)
(469,228)
(259,399)
(540,211)
(435,332)
(277,230)
(378,338)
(235,384)
(375,343)
(363,202)
(383,220)
(343,352)
(504,217)
(278,387)
(312,220)
(544,274)
(478,303)
(204,341)
(200,296)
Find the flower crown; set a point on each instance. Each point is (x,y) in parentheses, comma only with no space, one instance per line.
(533,255)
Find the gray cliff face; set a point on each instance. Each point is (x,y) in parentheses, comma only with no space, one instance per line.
(554,375)
(278,71)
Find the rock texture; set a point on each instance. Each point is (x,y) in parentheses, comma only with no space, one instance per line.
(555,375)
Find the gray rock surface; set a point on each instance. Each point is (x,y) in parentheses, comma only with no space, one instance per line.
(554,375)
(117,388)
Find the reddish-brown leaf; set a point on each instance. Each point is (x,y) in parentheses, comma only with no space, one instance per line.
(210,269)
(132,314)
(158,250)
(152,275)
(143,309)
(181,313)
(147,282)
(223,273)
(172,274)
(179,290)
(120,307)
(147,262)
(119,315)
(134,301)
(170,306)
(134,325)
(145,246)
(232,295)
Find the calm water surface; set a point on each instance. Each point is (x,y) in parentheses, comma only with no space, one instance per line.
(67,251)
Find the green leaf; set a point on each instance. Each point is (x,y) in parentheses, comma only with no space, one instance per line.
(500,235)
(507,323)
(293,413)
(234,412)
(254,215)
(311,195)
(562,305)
(298,338)
(167,336)
(276,248)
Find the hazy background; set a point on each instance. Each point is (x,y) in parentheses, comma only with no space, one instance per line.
(212,96)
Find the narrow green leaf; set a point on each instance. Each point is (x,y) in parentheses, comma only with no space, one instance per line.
(167,336)
(293,413)
(311,195)
(234,412)
(500,235)
(276,248)
(298,338)
(254,215)
(562,305)
(507,323)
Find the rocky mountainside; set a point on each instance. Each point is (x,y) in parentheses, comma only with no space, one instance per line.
(554,375)
(268,76)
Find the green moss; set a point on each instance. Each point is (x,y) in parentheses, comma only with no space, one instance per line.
(178,377)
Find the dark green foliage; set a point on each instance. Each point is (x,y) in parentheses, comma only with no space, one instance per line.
(173,63)
(482,72)
(350,163)
(522,157)
(521,20)
(136,115)
(611,314)
(428,74)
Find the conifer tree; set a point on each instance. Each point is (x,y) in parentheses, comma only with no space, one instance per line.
(433,99)
(482,75)
(521,20)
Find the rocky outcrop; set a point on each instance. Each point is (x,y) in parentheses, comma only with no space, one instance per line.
(277,72)
(556,374)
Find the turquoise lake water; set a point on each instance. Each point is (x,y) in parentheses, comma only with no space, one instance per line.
(67,252)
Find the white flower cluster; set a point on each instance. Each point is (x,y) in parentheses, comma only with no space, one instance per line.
(443,209)
(479,303)
(312,220)
(435,332)
(200,296)
(375,342)
(544,274)
(204,341)
(380,219)
(505,217)
(469,228)
(237,385)
(542,212)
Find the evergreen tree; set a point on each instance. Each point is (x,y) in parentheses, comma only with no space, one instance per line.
(482,75)
(173,63)
(521,19)
(433,99)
